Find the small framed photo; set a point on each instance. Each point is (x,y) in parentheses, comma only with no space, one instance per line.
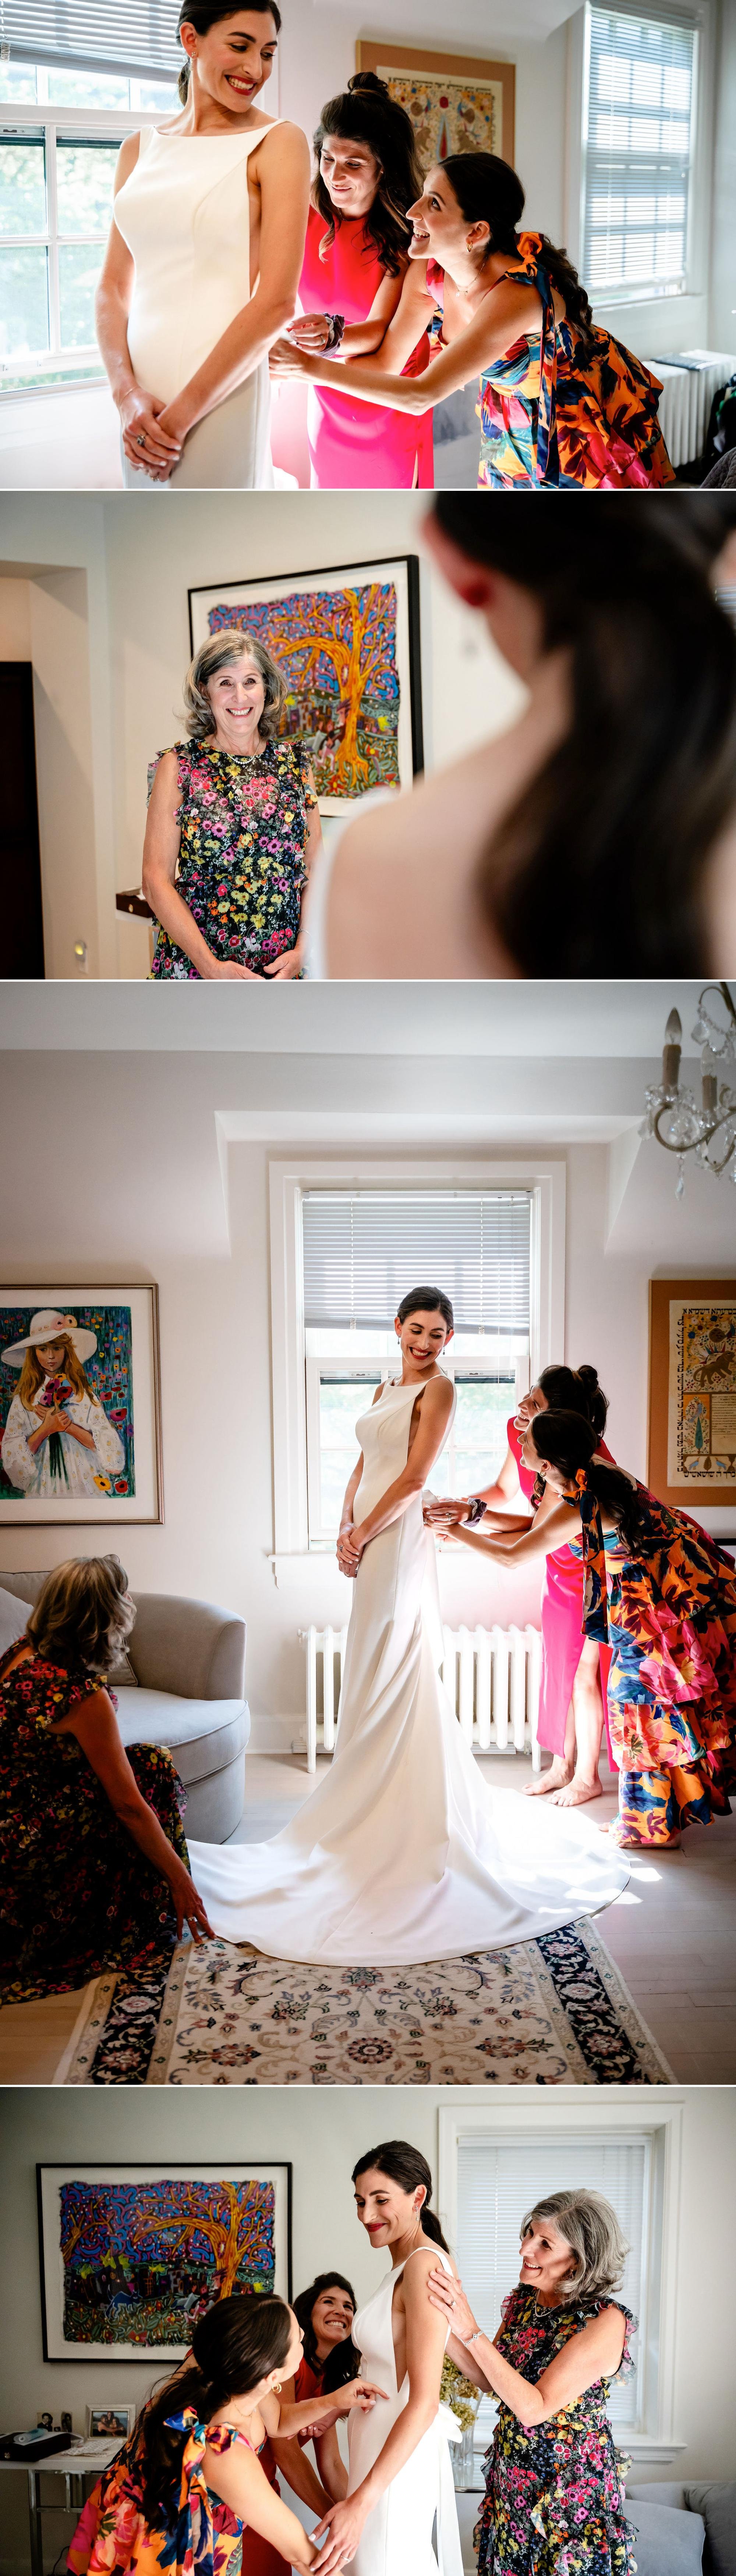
(131,2255)
(111,2423)
(457,102)
(347,639)
(692,1392)
(80,1406)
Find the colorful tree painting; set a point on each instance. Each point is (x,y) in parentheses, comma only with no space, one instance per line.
(338,651)
(110,1373)
(141,2261)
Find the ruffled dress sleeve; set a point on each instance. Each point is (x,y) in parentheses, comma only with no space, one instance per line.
(184,758)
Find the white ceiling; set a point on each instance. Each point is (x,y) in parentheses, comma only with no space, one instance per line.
(482,21)
(559,1021)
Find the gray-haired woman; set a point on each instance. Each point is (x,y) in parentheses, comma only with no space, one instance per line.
(554,2493)
(233,823)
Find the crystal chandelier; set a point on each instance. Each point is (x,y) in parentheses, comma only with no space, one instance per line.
(672,1112)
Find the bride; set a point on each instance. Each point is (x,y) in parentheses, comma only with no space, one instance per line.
(400,2476)
(402,1854)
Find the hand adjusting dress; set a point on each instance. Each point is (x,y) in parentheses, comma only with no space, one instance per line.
(402,1854)
(185,216)
(554,2501)
(397,2536)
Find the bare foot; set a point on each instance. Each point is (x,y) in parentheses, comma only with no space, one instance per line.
(577,1792)
(555,1778)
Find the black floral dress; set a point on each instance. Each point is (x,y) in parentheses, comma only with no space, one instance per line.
(242,871)
(76,1894)
(554,2494)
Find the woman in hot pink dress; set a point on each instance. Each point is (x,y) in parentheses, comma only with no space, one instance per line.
(355,262)
(572,1698)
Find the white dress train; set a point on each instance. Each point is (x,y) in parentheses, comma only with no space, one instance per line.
(185,215)
(397,2537)
(402,1854)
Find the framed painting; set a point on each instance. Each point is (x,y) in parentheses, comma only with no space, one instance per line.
(457,102)
(80,1405)
(692,1391)
(132,2255)
(347,639)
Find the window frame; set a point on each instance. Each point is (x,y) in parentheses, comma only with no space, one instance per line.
(655,2437)
(546,1180)
(26,123)
(656,314)
(452,1368)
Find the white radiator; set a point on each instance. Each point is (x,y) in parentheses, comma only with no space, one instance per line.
(491,1676)
(687,394)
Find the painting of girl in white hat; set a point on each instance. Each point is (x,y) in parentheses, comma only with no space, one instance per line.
(58,1441)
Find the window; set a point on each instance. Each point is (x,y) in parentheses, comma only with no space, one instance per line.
(638,152)
(60,133)
(499,2179)
(361,1250)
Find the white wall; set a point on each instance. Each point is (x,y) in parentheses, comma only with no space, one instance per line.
(53,579)
(723,282)
(15,621)
(324,2135)
(137,1194)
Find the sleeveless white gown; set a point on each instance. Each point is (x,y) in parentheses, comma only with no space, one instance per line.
(402,1854)
(397,2537)
(185,215)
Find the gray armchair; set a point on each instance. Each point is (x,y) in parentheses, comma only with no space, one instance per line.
(182,1684)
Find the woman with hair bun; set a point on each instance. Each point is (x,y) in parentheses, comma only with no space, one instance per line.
(189,2488)
(233,824)
(202,267)
(572,1696)
(355,261)
(562,405)
(402,1854)
(663,1595)
(400,2480)
(554,2489)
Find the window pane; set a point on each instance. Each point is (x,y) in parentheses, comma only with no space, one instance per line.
(24,302)
(79,271)
(18,81)
(340,1406)
(22,188)
(483,1408)
(155,94)
(87,89)
(85,177)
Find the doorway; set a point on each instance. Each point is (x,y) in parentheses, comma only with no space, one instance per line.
(21,910)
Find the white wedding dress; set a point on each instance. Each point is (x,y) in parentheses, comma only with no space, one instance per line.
(185,216)
(402,1854)
(397,2537)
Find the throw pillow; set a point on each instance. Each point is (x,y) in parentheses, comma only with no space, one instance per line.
(122,1676)
(14,1616)
(717,2503)
(667,2543)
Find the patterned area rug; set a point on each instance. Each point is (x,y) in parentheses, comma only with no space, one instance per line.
(553,2011)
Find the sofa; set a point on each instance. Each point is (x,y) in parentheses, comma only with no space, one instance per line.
(683,2528)
(181,1683)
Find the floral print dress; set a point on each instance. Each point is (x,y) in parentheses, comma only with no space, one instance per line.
(669,1613)
(554,2493)
(199,2536)
(76,1894)
(559,412)
(241,870)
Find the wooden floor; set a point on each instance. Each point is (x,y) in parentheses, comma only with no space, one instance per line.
(672,1934)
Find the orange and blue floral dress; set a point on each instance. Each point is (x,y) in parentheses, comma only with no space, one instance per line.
(242,871)
(554,2502)
(669,1613)
(563,410)
(76,1894)
(197,2535)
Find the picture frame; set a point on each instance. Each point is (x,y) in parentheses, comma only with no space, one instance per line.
(110,2422)
(348,638)
(451,98)
(101,1376)
(692,1392)
(131,2254)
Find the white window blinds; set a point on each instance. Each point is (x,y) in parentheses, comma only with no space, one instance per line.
(500,2179)
(364,1250)
(134,36)
(638,154)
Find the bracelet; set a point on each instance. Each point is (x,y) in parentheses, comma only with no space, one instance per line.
(477,2337)
(476,1512)
(336,331)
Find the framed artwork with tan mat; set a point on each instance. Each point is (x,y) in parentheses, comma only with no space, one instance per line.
(457,102)
(692,1391)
